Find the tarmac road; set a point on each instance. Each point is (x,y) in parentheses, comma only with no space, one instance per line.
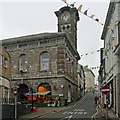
(85,108)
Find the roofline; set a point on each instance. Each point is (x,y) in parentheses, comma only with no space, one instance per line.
(33,37)
(108,19)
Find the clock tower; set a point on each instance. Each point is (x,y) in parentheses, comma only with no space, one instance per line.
(67,22)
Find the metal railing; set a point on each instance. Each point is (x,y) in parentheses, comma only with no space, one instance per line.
(8,101)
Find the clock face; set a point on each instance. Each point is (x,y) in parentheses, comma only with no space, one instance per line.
(65,17)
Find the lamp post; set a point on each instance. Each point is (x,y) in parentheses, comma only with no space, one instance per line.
(32,98)
(31,90)
(21,72)
(15,94)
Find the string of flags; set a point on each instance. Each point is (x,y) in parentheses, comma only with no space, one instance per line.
(84,13)
(90,53)
(97,67)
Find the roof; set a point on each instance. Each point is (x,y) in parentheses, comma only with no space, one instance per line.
(33,37)
(108,19)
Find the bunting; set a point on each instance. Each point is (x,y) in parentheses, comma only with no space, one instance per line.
(65,1)
(72,5)
(90,53)
(92,16)
(79,8)
(86,14)
(109,27)
(96,67)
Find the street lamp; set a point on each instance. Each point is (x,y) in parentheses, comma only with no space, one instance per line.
(32,99)
(31,94)
(21,72)
(15,94)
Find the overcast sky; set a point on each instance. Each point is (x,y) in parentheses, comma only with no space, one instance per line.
(26,17)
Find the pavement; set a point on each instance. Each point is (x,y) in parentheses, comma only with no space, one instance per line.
(41,112)
(110,115)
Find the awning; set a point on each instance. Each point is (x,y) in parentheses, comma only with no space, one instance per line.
(42,93)
(38,93)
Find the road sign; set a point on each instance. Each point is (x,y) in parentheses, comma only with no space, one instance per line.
(105,89)
(15,92)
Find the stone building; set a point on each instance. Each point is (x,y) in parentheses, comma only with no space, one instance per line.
(81,79)
(110,56)
(5,75)
(89,79)
(46,63)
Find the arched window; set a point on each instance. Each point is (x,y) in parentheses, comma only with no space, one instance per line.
(23,63)
(44,61)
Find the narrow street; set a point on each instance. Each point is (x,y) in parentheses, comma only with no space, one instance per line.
(84,108)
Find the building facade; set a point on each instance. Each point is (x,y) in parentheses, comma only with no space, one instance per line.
(47,62)
(81,79)
(110,56)
(5,75)
(89,80)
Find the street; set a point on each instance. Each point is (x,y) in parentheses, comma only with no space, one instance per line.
(84,108)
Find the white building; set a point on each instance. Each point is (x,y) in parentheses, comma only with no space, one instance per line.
(111,55)
(89,79)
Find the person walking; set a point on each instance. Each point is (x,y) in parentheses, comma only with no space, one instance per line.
(96,99)
(56,101)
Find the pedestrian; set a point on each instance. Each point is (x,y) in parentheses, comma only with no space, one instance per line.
(96,99)
(56,101)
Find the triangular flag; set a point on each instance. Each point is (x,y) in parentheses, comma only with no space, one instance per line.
(92,16)
(108,26)
(86,12)
(79,8)
(97,19)
(72,5)
(112,31)
(116,23)
(64,1)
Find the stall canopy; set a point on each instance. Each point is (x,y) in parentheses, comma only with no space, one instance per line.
(38,93)
(42,92)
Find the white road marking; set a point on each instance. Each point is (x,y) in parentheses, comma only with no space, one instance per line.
(69,117)
(76,112)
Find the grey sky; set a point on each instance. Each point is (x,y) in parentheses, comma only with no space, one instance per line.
(18,18)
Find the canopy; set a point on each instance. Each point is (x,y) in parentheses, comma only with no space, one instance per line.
(42,92)
(38,93)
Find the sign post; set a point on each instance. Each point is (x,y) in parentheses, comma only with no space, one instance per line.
(15,94)
(105,90)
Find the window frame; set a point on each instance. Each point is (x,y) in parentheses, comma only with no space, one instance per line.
(23,67)
(45,60)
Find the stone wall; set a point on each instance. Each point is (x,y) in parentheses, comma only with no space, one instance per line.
(8,111)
